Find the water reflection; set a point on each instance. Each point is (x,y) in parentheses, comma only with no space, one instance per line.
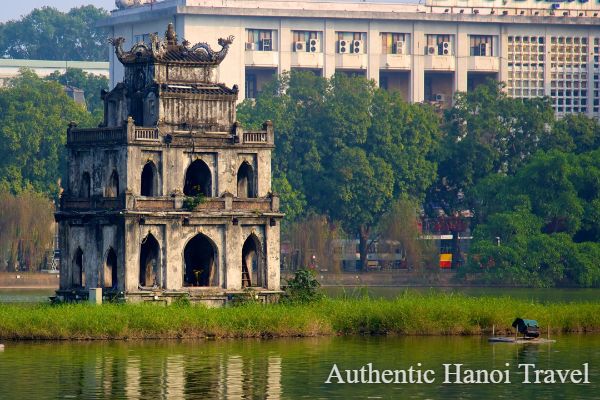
(277,369)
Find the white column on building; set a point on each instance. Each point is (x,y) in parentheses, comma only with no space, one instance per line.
(462,53)
(417,73)
(329,50)
(547,61)
(590,72)
(374,51)
(285,46)
(502,52)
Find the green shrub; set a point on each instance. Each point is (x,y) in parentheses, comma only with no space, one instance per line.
(303,287)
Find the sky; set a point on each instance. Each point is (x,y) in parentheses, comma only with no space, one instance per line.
(15,9)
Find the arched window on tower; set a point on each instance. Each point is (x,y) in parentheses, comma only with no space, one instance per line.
(198,180)
(78,270)
(85,186)
(149,262)
(245,181)
(110,270)
(149,180)
(112,189)
(253,263)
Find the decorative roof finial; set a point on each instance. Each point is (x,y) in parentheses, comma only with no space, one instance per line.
(170,35)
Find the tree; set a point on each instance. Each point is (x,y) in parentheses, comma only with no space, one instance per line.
(91,84)
(488,132)
(360,191)
(350,148)
(34,115)
(540,226)
(26,222)
(48,34)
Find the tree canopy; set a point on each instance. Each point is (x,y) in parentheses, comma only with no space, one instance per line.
(49,34)
(488,132)
(34,114)
(347,147)
(541,227)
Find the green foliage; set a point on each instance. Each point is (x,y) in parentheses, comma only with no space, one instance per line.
(292,200)
(191,202)
(34,114)
(545,218)
(303,287)
(345,146)
(91,84)
(182,302)
(408,314)
(488,132)
(247,297)
(48,34)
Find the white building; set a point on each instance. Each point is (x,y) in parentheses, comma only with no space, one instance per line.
(426,51)
(9,68)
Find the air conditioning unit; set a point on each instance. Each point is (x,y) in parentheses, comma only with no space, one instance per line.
(266,44)
(444,49)
(343,46)
(485,50)
(299,47)
(314,46)
(441,97)
(250,46)
(431,50)
(400,47)
(357,46)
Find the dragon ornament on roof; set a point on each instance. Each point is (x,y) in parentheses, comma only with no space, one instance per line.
(169,50)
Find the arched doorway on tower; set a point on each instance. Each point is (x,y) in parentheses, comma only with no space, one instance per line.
(149,181)
(200,258)
(253,263)
(110,270)
(78,271)
(198,180)
(245,181)
(149,262)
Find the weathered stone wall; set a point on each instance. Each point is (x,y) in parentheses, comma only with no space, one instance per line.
(173,162)
(99,162)
(94,237)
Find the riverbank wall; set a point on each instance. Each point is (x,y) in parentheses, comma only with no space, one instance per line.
(400,278)
(28,280)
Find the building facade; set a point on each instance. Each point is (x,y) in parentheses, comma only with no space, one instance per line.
(170,196)
(9,68)
(425,51)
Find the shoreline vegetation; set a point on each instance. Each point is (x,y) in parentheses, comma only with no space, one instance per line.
(409,314)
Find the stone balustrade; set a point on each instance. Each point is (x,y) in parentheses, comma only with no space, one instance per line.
(165,204)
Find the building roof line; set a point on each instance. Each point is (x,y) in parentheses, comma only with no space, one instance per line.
(148,14)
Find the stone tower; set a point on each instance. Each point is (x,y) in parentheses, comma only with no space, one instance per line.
(169,196)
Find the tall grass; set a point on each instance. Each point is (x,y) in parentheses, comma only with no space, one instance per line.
(409,314)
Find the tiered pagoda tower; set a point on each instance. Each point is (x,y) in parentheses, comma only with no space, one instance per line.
(169,196)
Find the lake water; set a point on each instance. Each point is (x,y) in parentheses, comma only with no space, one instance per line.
(283,369)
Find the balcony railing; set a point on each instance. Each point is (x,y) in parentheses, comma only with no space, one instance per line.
(147,134)
(255,137)
(165,204)
(96,135)
(128,133)
(92,203)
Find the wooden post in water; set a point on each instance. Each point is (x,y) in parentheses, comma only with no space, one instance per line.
(493,330)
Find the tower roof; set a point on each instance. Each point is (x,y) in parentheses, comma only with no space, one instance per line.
(169,50)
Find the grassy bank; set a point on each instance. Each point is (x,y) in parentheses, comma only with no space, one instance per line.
(410,314)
